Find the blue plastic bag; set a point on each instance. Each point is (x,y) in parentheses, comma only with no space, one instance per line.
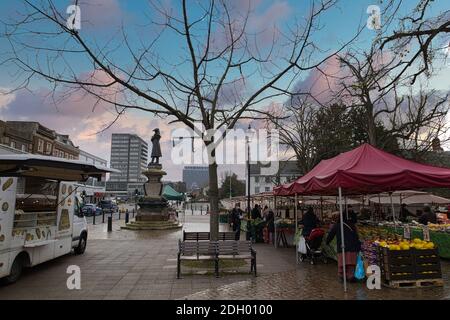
(360,273)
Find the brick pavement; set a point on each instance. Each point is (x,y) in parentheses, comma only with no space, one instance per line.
(129,265)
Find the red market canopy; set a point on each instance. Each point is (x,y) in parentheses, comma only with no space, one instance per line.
(366,170)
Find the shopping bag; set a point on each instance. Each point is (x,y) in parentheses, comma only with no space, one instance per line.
(359,270)
(302,245)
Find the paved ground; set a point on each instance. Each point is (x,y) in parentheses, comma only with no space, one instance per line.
(142,265)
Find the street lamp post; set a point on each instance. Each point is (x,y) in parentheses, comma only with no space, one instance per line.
(248,172)
(136,198)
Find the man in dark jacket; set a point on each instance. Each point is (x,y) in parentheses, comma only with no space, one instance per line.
(256,212)
(428,216)
(236,217)
(404,213)
(352,246)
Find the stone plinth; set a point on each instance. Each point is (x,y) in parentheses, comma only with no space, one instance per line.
(153,212)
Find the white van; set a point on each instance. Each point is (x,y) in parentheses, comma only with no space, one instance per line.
(40,214)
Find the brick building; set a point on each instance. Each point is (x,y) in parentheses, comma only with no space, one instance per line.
(32,137)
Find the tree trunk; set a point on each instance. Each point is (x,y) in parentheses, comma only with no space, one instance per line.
(371,126)
(213,202)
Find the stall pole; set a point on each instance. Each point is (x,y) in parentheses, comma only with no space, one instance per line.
(393,213)
(346,208)
(274,224)
(296,219)
(321,208)
(342,239)
(379,208)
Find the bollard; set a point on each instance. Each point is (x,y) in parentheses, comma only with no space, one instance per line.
(93,219)
(120,211)
(133,212)
(109,223)
(127,217)
(103,218)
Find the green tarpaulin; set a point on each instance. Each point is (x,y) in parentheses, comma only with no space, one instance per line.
(170,194)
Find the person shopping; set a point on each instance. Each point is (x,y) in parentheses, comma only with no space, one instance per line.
(309,222)
(270,219)
(352,246)
(236,217)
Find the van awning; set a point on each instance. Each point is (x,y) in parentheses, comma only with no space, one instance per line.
(31,165)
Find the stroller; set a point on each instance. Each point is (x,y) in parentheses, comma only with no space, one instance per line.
(313,247)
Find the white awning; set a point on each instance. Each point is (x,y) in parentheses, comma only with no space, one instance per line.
(31,165)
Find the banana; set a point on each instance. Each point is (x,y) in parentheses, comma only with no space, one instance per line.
(7,184)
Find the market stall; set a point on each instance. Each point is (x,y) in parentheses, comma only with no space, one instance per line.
(362,171)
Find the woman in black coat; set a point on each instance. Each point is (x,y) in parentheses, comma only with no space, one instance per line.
(352,246)
(309,222)
(270,220)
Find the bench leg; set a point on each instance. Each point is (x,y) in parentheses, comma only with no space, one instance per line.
(178,267)
(217,267)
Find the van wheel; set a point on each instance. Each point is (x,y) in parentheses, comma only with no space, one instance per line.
(16,270)
(81,248)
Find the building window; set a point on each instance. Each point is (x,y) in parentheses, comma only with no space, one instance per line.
(268,180)
(48,148)
(257,190)
(267,189)
(40,146)
(24,147)
(55,152)
(13,144)
(257,179)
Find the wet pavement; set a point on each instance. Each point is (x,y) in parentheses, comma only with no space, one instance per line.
(125,264)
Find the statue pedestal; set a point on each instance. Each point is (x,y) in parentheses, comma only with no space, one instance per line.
(153,212)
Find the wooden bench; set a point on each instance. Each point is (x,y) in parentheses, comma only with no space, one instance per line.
(206,236)
(237,250)
(198,250)
(215,251)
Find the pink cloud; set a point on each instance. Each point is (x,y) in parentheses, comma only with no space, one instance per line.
(75,115)
(321,83)
(261,26)
(100,13)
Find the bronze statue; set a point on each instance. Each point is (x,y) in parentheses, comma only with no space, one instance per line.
(156,147)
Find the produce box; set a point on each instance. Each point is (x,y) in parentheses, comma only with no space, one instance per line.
(397,265)
(413,264)
(428,265)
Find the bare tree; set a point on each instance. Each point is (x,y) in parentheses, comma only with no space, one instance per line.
(227,75)
(419,38)
(296,130)
(408,116)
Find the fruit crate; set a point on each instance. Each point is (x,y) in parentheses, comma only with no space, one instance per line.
(397,265)
(427,263)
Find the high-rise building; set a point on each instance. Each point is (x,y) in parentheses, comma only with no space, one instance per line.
(129,154)
(195,177)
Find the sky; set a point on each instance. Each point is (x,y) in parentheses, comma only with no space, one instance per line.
(84,120)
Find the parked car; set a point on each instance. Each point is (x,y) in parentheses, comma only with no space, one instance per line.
(108,206)
(90,208)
